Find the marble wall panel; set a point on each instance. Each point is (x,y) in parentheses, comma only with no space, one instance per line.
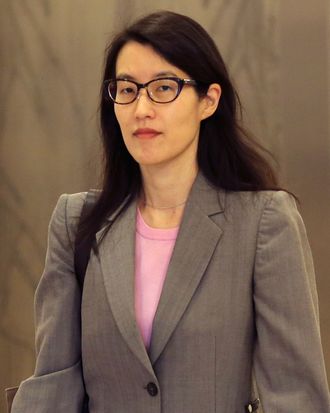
(51,59)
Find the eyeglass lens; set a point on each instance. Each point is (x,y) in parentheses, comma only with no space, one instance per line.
(159,90)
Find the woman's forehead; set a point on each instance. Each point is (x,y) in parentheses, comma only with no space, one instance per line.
(164,73)
(136,60)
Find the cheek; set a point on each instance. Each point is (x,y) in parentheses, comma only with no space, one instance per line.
(186,118)
(122,117)
(189,108)
(118,116)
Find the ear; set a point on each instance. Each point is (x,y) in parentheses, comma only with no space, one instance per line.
(211,100)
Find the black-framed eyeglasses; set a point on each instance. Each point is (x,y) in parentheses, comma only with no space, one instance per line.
(161,90)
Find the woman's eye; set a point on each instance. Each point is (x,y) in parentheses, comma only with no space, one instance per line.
(164,88)
(126,91)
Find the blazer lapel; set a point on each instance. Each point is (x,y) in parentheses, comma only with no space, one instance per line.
(117,255)
(197,239)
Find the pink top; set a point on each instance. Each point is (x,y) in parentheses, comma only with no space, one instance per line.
(153,250)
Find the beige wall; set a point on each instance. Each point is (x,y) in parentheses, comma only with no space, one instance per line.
(51,57)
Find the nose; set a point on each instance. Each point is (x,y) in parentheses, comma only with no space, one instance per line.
(144,105)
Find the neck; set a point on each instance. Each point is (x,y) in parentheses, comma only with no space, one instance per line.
(163,188)
(165,193)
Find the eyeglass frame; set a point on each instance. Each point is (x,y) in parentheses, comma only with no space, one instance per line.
(180,82)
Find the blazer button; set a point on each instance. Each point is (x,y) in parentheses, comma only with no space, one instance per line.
(152,389)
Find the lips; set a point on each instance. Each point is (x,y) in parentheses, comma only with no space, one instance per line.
(146,133)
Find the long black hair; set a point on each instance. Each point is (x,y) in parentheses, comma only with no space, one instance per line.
(227,156)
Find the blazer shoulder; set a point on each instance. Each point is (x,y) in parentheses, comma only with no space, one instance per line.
(73,204)
(67,213)
(260,196)
(257,201)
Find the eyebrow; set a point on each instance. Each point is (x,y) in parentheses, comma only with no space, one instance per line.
(157,75)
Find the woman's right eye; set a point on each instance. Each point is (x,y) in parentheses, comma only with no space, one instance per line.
(126,91)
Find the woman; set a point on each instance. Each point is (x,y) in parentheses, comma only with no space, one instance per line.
(201,273)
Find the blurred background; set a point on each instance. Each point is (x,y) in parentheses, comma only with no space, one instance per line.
(51,58)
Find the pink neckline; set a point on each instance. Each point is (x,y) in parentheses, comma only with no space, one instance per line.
(164,234)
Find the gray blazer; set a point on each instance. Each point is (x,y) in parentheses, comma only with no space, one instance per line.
(239,297)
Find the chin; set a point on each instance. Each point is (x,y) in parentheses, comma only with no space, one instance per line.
(151,161)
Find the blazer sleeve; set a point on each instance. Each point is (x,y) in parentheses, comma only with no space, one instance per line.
(57,385)
(288,360)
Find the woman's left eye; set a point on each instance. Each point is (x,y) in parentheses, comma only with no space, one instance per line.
(164,88)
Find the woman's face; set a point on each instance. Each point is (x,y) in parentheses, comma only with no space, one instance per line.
(158,133)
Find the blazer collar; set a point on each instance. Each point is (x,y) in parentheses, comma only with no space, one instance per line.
(206,197)
(197,238)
